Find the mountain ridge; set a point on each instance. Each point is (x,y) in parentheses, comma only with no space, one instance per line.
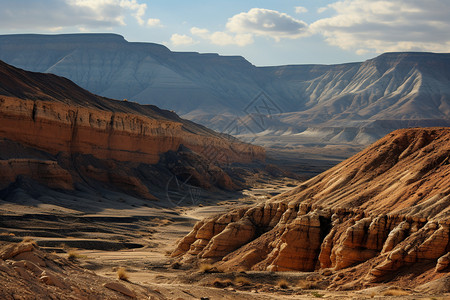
(214,90)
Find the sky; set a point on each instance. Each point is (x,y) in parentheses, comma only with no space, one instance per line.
(265,32)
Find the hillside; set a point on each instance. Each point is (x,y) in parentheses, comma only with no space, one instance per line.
(354,103)
(63,137)
(381,215)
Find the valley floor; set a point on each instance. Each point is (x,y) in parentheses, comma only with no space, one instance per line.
(139,236)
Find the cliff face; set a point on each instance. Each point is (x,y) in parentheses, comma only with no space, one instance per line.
(51,114)
(381,212)
(56,127)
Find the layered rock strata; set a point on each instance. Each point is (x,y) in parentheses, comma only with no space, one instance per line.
(58,127)
(388,205)
(64,135)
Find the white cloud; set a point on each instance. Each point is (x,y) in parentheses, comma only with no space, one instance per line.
(112,8)
(266,22)
(51,14)
(181,40)
(154,23)
(242,28)
(201,32)
(383,26)
(223,38)
(301,9)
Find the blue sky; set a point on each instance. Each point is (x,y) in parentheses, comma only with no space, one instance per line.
(264,32)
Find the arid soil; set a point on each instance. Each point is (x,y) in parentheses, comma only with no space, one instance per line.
(105,199)
(77,255)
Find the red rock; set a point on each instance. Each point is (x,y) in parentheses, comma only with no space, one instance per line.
(443,262)
(118,287)
(388,205)
(52,114)
(12,250)
(52,279)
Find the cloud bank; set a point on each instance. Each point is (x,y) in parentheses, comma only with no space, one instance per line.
(382,26)
(241,29)
(181,40)
(60,14)
(359,26)
(266,22)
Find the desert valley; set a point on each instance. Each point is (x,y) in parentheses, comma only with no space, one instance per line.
(130,171)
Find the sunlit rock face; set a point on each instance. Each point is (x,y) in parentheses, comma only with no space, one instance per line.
(383,211)
(82,135)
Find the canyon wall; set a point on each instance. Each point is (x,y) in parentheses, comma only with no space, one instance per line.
(60,135)
(57,127)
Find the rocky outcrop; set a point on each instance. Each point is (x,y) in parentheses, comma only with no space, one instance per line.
(27,272)
(389,205)
(46,172)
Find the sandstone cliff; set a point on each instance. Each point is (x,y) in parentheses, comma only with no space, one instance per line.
(382,211)
(51,114)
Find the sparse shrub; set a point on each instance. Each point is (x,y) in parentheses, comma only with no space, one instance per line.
(307,284)
(242,281)
(207,268)
(283,283)
(75,255)
(122,274)
(176,265)
(221,283)
(317,295)
(395,292)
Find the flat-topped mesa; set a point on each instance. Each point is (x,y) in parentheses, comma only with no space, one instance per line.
(345,104)
(388,206)
(51,113)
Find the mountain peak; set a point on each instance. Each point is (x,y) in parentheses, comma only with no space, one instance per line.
(418,57)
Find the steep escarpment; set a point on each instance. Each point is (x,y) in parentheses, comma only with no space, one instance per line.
(380,212)
(56,127)
(78,132)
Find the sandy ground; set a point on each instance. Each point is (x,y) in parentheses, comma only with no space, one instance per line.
(139,235)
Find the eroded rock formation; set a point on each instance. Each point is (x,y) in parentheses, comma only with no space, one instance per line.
(388,205)
(64,135)
(59,127)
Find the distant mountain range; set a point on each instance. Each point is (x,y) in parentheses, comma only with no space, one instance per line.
(353,103)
